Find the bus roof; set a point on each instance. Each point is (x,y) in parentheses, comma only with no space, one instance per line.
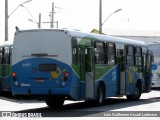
(6,43)
(81,34)
(108,38)
(154,43)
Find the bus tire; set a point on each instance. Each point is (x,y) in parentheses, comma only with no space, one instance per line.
(0,89)
(137,93)
(0,92)
(100,95)
(55,101)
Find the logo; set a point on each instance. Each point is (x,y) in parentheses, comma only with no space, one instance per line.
(25,85)
(57,73)
(34,70)
(154,67)
(21,115)
(131,72)
(6,114)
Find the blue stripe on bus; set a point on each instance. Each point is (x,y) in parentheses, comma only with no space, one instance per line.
(54,81)
(27,72)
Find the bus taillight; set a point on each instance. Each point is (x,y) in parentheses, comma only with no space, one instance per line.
(13,74)
(66,74)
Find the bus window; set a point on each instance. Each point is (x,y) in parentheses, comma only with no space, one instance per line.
(130,55)
(110,55)
(6,55)
(148,60)
(74,51)
(155,48)
(138,56)
(10,54)
(1,55)
(99,52)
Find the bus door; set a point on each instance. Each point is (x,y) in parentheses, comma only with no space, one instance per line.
(148,71)
(6,69)
(86,70)
(1,61)
(122,72)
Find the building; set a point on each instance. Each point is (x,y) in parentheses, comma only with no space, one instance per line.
(146,36)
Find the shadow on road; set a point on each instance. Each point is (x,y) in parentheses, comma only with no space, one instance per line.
(156,89)
(82,109)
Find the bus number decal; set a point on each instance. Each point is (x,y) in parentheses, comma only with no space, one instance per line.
(26,65)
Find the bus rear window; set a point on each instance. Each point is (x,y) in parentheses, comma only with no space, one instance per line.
(47,67)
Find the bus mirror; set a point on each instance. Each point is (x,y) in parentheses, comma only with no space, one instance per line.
(89,60)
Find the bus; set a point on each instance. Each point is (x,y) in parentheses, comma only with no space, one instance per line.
(60,64)
(5,66)
(155,67)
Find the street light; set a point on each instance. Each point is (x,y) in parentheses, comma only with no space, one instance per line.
(34,21)
(7,16)
(20,5)
(107,19)
(100,16)
(110,15)
(28,12)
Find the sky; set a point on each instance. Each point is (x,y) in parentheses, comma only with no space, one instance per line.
(83,15)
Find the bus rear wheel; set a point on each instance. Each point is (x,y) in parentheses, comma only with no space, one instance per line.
(0,89)
(137,94)
(55,101)
(100,95)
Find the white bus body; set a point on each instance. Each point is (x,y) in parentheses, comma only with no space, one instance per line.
(155,48)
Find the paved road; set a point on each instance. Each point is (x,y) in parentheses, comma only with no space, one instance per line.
(148,102)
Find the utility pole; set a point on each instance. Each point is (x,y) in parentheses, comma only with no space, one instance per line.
(39,20)
(57,23)
(6,20)
(52,15)
(39,23)
(100,16)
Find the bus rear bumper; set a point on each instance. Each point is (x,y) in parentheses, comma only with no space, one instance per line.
(155,84)
(40,91)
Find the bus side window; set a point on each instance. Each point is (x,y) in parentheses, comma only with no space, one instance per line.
(1,55)
(138,56)
(74,50)
(144,59)
(10,54)
(110,53)
(148,61)
(130,55)
(6,55)
(99,52)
